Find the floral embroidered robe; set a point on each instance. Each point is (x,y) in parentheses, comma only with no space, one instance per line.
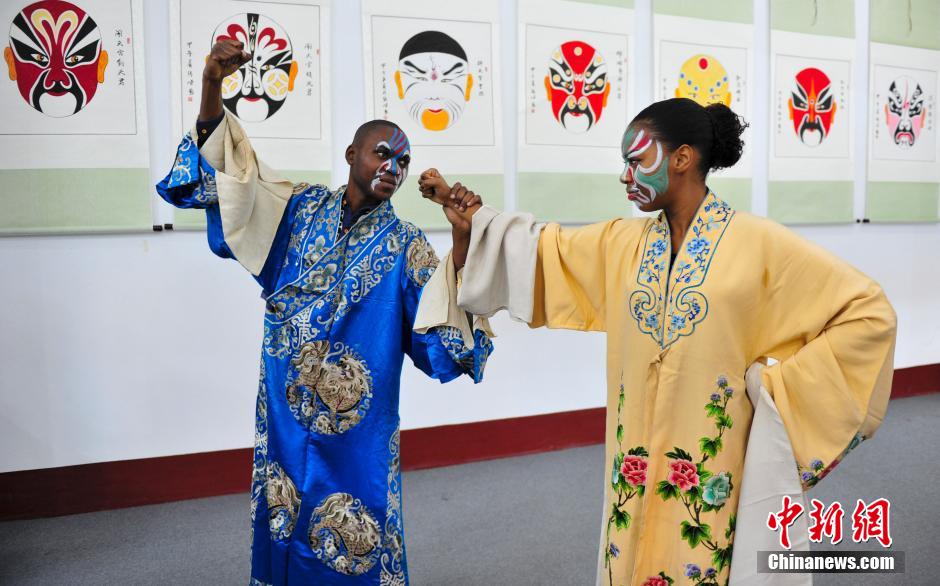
(679,340)
(326,486)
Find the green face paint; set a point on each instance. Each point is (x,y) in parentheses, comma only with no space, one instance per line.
(628,138)
(653,179)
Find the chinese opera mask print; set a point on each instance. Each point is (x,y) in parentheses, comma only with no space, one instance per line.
(433,79)
(258,88)
(704,79)
(905,111)
(576,85)
(812,106)
(55,56)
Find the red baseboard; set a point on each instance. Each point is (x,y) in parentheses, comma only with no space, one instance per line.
(917,380)
(447,445)
(112,485)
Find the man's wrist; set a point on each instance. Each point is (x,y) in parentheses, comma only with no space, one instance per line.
(208,78)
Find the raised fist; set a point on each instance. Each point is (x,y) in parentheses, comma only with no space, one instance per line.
(225,58)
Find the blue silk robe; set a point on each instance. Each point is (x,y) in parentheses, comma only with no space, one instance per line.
(326,484)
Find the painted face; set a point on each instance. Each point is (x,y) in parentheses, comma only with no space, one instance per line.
(259,88)
(433,79)
(646,170)
(577,85)
(812,107)
(55,56)
(905,111)
(703,79)
(395,152)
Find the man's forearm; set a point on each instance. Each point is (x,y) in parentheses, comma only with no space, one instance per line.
(211,106)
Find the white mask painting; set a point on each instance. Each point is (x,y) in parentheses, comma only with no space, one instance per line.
(433,79)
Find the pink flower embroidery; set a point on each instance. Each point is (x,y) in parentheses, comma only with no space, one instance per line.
(633,470)
(683,474)
(656,581)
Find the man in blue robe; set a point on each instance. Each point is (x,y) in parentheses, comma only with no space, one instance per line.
(342,277)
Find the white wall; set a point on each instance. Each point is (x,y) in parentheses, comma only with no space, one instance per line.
(131,346)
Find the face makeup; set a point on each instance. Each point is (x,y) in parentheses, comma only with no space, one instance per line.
(397,153)
(644,183)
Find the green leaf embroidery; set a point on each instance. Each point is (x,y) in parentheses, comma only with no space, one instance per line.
(679,454)
(714,409)
(703,474)
(619,433)
(721,557)
(621,518)
(638,451)
(724,420)
(695,534)
(710,446)
(666,490)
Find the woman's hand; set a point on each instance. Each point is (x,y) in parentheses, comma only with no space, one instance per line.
(459,205)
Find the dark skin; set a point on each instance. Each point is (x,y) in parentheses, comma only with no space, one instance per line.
(459,204)
(686,189)
(364,158)
(680,201)
(224,60)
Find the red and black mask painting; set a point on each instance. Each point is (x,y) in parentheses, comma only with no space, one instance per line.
(576,85)
(812,106)
(55,57)
(258,88)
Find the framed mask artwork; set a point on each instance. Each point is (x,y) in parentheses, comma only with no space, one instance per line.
(434,78)
(904,145)
(710,61)
(904,101)
(574,88)
(811,127)
(811,107)
(433,70)
(279,95)
(811,119)
(74,91)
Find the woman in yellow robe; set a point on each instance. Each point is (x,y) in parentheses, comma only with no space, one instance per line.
(689,300)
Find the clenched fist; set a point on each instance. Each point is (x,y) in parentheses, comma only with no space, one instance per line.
(459,202)
(435,188)
(225,58)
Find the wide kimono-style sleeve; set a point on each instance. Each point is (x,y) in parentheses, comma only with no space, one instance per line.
(544,275)
(833,332)
(248,208)
(245,199)
(451,346)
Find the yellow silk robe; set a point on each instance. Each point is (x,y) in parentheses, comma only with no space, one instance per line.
(679,340)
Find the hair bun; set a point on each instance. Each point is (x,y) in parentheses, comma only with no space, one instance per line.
(727,128)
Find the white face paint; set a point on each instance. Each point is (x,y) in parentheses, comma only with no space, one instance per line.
(398,149)
(644,184)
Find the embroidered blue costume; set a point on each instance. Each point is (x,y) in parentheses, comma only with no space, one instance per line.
(326,485)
